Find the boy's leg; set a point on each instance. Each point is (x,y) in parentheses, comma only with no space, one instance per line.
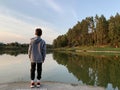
(39,70)
(33,67)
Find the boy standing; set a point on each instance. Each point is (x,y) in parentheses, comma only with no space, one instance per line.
(37,53)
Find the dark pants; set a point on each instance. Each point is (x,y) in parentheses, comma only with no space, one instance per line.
(39,70)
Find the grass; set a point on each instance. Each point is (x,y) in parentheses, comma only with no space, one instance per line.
(89,53)
(88,48)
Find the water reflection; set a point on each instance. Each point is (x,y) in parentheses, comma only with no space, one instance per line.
(13,52)
(17,52)
(13,69)
(17,69)
(96,70)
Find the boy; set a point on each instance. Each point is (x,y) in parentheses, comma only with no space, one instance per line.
(37,53)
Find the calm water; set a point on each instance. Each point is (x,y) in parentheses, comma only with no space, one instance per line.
(95,70)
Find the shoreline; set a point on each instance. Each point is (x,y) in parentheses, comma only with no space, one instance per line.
(47,85)
(97,51)
(106,49)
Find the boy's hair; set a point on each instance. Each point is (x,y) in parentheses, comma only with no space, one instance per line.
(38,32)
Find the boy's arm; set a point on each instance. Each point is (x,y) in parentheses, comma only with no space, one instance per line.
(29,50)
(44,51)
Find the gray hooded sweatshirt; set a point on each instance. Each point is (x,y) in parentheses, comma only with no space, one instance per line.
(37,50)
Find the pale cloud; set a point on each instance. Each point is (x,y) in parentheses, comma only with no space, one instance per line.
(52,4)
(35,2)
(74,13)
(49,3)
(12,30)
(16,29)
(7,37)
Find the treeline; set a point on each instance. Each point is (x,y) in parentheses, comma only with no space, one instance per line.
(92,31)
(13,48)
(18,46)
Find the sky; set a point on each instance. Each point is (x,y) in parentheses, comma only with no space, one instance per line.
(20,18)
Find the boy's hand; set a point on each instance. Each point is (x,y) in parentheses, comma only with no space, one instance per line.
(29,56)
(43,61)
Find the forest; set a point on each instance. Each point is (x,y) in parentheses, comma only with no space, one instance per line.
(92,31)
(17,47)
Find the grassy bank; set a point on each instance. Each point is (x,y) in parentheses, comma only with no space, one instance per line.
(90,51)
(89,48)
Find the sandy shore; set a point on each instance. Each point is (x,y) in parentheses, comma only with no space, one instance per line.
(47,86)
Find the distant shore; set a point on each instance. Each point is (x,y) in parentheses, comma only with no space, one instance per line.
(47,86)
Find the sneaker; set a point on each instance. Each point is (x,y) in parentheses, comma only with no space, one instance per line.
(32,84)
(38,84)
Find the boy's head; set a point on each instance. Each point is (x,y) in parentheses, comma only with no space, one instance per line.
(38,32)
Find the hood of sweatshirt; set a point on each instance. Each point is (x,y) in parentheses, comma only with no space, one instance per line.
(36,40)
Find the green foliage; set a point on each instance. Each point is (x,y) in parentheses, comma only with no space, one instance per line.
(92,31)
(61,41)
(114,30)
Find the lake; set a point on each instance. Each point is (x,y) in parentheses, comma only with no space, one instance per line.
(88,69)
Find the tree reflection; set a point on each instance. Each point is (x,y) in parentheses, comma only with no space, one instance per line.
(17,52)
(98,70)
(13,52)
